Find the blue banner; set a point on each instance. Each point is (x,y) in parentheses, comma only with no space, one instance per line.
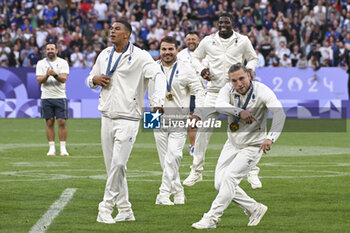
(305,84)
(300,93)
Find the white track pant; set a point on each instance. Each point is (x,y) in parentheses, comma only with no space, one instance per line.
(169,147)
(203,136)
(117,139)
(233,165)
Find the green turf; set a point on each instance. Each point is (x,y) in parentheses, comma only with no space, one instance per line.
(306,183)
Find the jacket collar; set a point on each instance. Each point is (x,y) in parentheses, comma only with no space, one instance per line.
(232,39)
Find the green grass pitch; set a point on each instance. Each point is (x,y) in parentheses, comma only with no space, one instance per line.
(306,183)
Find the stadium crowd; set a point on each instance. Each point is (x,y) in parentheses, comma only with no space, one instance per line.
(298,33)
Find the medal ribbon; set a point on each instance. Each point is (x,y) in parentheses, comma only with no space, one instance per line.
(109,72)
(168,84)
(48,63)
(189,53)
(246,102)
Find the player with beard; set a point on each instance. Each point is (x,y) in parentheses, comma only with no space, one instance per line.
(52,73)
(221,50)
(192,41)
(171,140)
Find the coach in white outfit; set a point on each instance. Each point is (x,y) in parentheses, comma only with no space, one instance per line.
(123,71)
(52,73)
(181,83)
(247,104)
(221,50)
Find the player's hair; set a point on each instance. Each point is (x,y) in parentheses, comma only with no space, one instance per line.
(51,43)
(125,23)
(193,33)
(225,14)
(240,66)
(170,40)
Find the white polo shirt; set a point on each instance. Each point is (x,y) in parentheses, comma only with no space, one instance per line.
(52,89)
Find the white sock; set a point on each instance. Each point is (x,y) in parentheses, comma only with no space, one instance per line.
(52,145)
(63,145)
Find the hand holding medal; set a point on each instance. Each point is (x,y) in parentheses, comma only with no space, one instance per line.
(101,80)
(206,74)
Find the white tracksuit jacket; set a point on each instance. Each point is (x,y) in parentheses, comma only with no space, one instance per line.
(220,58)
(124,97)
(262,101)
(185,82)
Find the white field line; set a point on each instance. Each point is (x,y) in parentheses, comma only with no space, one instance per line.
(276,151)
(54,210)
(155,176)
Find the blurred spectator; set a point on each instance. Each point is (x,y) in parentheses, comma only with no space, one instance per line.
(25,53)
(4,52)
(285,61)
(138,10)
(85,6)
(26,25)
(315,53)
(153,50)
(331,32)
(326,54)
(41,35)
(295,55)
(152,35)
(293,38)
(272,60)
(277,40)
(49,14)
(89,56)
(101,9)
(261,59)
(34,57)
(172,5)
(266,46)
(14,58)
(314,64)
(347,39)
(302,62)
(77,58)
(282,50)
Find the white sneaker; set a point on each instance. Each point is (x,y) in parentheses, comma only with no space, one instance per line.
(64,153)
(257,215)
(163,200)
(125,217)
(51,153)
(205,223)
(193,178)
(179,199)
(254,181)
(105,217)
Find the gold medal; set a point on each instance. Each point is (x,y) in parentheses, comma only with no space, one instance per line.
(234,126)
(170,95)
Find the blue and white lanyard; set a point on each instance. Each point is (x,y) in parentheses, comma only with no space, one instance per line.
(109,72)
(246,101)
(189,53)
(47,60)
(168,84)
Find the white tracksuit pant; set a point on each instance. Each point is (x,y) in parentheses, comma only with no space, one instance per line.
(203,135)
(233,165)
(169,147)
(117,139)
